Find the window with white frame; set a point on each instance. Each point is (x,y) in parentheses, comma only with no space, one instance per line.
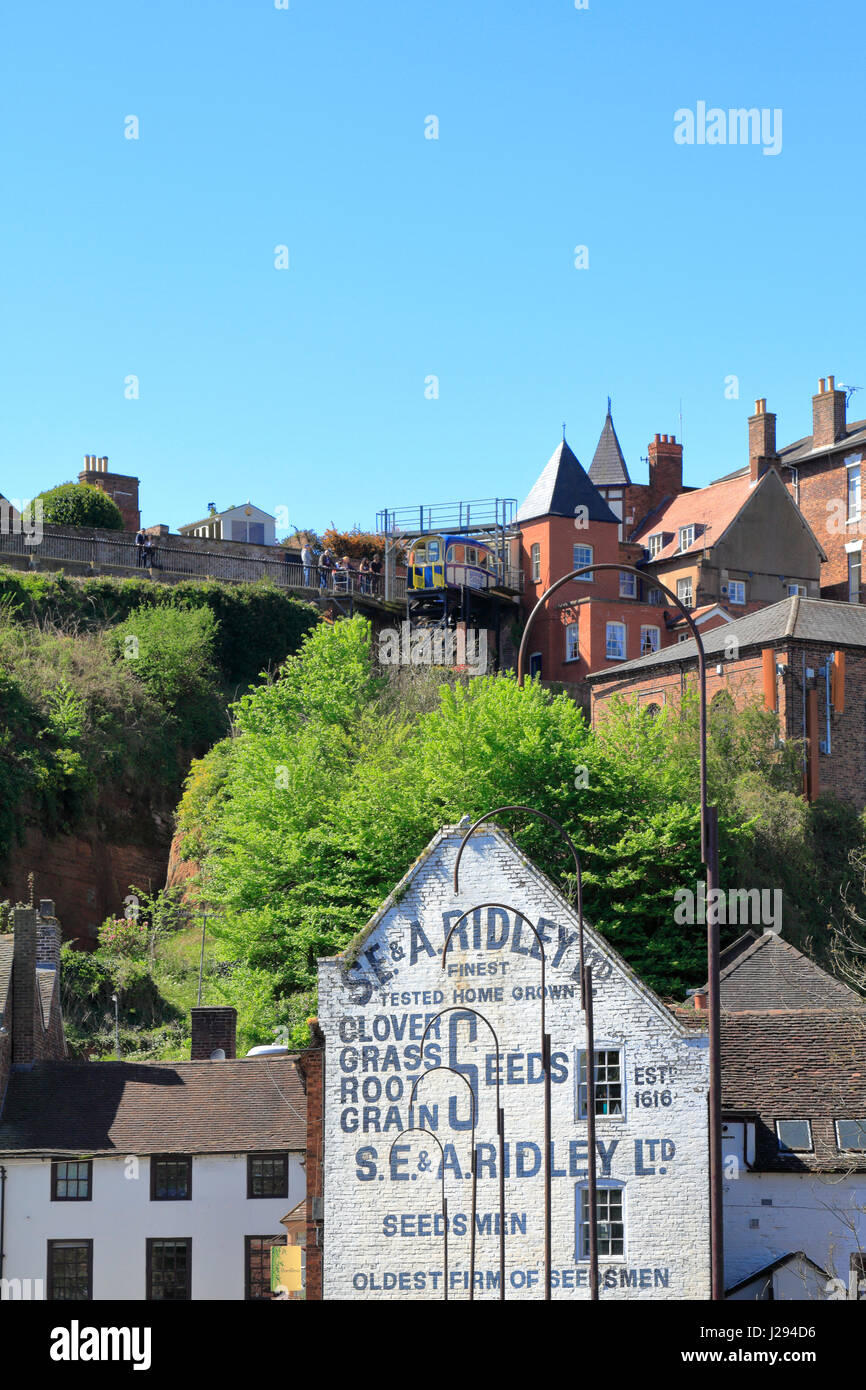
(851,1135)
(795,589)
(854,576)
(608,1083)
(615,643)
(737,591)
(581,555)
(854,492)
(535,554)
(610,1219)
(794,1136)
(572,646)
(683,636)
(654,543)
(684,591)
(687,537)
(650,638)
(654,596)
(627,585)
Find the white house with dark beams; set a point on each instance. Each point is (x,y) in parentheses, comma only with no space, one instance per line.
(141,1180)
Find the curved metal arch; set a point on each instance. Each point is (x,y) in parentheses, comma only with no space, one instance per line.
(500,1123)
(468,1085)
(417,1129)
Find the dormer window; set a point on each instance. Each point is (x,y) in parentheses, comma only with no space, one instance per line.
(687,537)
(655,543)
(851,1135)
(794,1136)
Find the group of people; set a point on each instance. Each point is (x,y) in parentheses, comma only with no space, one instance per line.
(340,573)
(144,549)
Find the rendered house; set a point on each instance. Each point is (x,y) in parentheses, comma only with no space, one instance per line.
(246,523)
(137,1180)
(794,1098)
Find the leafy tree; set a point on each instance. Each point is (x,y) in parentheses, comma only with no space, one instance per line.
(80,504)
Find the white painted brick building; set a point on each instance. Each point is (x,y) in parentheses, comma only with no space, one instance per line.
(383,1231)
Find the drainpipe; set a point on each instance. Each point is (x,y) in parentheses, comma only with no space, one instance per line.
(2,1215)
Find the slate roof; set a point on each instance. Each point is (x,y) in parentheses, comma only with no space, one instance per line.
(240,1105)
(608,467)
(803,1064)
(803,449)
(805,619)
(769,1269)
(563,485)
(46,984)
(769,973)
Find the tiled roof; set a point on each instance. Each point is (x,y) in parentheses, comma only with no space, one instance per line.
(563,486)
(154,1107)
(709,509)
(772,974)
(46,984)
(608,467)
(803,1064)
(7,947)
(806,619)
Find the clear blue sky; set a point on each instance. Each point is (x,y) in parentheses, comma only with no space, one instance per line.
(411,257)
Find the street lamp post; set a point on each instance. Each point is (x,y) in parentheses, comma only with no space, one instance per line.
(710,859)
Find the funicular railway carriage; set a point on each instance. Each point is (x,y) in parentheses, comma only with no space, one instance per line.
(450,562)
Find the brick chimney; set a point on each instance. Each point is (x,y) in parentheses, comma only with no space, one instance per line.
(213,1027)
(762,440)
(828,414)
(25,926)
(122,488)
(665,469)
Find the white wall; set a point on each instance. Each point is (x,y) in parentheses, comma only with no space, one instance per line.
(666,1188)
(120,1216)
(824,1215)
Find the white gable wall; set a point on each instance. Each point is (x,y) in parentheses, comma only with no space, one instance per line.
(379,1216)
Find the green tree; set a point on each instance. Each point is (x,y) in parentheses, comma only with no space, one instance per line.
(80,504)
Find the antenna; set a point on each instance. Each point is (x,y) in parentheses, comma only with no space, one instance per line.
(849,392)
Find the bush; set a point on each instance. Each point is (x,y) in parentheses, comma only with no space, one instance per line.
(171,651)
(80,504)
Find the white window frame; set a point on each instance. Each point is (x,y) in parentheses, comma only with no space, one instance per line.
(655,543)
(855,485)
(655,597)
(797,590)
(683,636)
(611,1045)
(579,564)
(854,563)
(840,1146)
(581,1222)
(627,585)
(535,561)
(740,586)
(794,1119)
(689,533)
(687,599)
(607,643)
(650,627)
(572,634)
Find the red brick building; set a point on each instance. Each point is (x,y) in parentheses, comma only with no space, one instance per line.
(123,489)
(804,658)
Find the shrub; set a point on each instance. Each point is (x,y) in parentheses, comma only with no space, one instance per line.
(80,504)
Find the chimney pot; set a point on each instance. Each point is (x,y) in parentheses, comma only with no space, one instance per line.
(831,383)
(820,386)
(658,439)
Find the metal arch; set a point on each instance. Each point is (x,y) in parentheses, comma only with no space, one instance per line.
(500,1124)
(468,1084)
(543,815)
(417,1129)
(710,859)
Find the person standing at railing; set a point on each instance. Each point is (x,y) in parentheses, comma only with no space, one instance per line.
(364,573)
(148,552)
(326,564)
(139,549)
(307,560)
(375,573)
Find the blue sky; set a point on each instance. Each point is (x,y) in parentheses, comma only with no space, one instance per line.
(409,257)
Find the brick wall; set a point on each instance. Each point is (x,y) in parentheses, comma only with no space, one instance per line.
(381,1234)
(311,1065)
(823,500)
(213,1027)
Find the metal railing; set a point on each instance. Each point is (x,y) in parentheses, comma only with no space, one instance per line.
(121,553)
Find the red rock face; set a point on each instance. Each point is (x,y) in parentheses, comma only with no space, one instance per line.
(87,877)
(179,871)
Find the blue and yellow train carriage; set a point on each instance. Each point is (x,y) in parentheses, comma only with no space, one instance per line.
(448,562)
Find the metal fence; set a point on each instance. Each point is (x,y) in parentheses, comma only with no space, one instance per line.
(122,553)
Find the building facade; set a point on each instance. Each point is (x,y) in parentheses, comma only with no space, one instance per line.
(382,1231)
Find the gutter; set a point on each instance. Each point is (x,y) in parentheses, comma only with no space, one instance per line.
(2,1217)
